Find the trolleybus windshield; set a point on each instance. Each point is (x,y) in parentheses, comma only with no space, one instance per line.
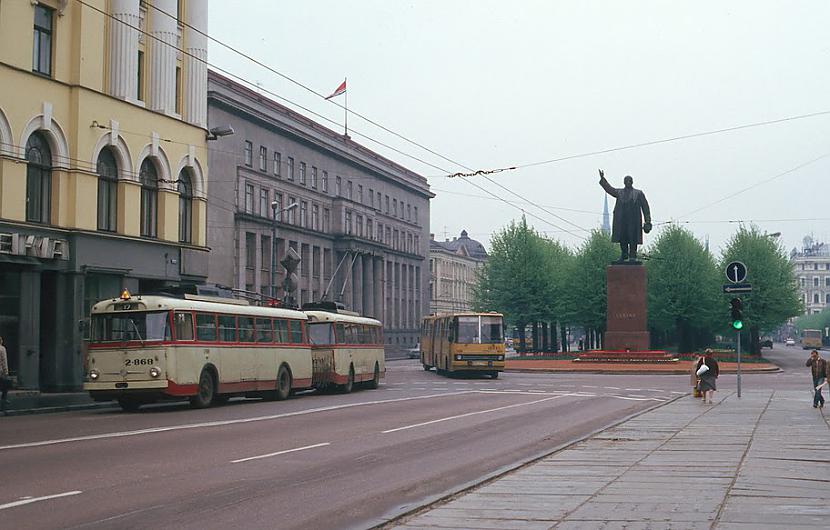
(479,330)
(123,327)
(320,333)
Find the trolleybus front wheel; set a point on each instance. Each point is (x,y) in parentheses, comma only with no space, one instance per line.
(494,375)
(128,404)
(349,385)
(375,382)
(207,390)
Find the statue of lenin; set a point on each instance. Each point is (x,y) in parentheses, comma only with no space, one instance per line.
(628,225)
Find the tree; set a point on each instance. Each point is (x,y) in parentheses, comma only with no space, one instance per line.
(684,293)
(585,299)
(774,297)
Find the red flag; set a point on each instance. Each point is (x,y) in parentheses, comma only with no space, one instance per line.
(340,90)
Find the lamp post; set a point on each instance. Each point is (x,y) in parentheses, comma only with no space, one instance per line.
(274,205)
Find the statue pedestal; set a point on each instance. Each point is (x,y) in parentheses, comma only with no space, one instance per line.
(627,317)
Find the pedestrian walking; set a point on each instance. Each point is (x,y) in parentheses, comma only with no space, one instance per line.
(708,376)
(694,379)
(5,382)
(818,368)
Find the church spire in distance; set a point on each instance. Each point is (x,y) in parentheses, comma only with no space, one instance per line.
(606,219)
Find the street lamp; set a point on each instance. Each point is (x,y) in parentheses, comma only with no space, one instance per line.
(274,205)
(217,132)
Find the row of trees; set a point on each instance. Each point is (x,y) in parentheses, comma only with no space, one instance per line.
(531,278)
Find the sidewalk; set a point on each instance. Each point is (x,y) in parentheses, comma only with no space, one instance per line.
(679,367)
(751,463)
(34,402)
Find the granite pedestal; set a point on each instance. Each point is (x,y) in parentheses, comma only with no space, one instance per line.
(627,315)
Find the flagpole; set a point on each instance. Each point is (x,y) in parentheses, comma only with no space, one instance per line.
(346,110)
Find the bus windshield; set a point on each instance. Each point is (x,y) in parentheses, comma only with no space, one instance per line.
(123,327)
(479,330)
(320,333)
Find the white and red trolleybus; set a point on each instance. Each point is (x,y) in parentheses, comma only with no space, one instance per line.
(145,348)
(345,347)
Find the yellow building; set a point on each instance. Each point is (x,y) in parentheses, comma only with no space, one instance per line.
(103,166)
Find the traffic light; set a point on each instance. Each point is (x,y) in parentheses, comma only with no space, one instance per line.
(736,313)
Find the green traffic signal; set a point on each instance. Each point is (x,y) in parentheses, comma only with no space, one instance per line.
(738,324)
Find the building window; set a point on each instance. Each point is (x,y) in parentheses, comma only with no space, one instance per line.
(360,193)
(408,212)
(326,219)
(148,176)
(264,206)
(139,90)
(249,198)
(338,186)
(315,217)
(302,173)
(815,282)
(387,205)
(314,177)
(827,282)
(415,212)
(107,190)
(249,153)
(277,206)
(803,282)
(42,48)
(378,200)
(369,232)
(827,298)
(304,214)
(815,298)
(277,164)
(178,102)
(250,250)
(325,183)
(395,207)
(417,245)
(292,213)
(349,190)
(185,186)
(371,197)
(38,179)
(290,168)
(348,222)
(263,158)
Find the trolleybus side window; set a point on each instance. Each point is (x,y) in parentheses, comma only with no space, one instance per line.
(340,333)
(205,327)
(263,330)
(320,333)
(227,328)
(296,331)
(246,329)
(183,323)
(281,330)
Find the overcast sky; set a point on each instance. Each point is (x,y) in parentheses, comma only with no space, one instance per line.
(491,84)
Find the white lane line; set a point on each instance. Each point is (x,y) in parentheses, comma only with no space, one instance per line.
(612,387)
(637,399)
(633,389)
(221,423)
(588,386)
(415,425)
(280,452)
(30,500)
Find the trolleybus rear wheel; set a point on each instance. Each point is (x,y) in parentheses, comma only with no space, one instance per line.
(349,385)
(128,404)
(207,390)
(375,382)
(283,384)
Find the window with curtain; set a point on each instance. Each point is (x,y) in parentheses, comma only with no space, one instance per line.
(42,44)
(185,187)
(107,190)
(38,179)
(148,176)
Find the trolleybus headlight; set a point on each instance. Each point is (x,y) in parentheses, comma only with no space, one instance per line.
(458,357)
(94,374)
(501,357)
(155,372)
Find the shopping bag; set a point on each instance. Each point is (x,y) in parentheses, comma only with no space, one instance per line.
(702,370)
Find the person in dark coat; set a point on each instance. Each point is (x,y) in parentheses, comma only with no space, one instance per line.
(628,226)
(708,378)
(818,368)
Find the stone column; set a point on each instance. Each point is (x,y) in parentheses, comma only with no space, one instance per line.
(123,49)
(369,286)
(357,285)
(162,47)
(378,265)
(195,65)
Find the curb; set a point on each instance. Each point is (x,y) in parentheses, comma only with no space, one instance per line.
(389,518)
(61,408)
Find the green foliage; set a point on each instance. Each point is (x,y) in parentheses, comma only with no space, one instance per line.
(774,297)
(585,299)
(816,321)
(684,289)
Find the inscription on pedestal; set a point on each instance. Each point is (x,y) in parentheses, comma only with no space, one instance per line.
(627,315)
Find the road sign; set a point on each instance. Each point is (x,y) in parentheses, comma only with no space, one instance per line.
(736,272)
(732,288)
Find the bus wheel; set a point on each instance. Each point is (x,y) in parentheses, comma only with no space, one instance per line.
(207,390)
(283,384)
(375,382)
(494,375)
(427,367)
(349,385)
(129,404)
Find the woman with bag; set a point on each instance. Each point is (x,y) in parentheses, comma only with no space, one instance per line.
(707,371)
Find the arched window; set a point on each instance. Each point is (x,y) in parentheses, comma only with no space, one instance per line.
(815,298)
(827,298)
(38,179)
(107,190)
(149,198)
(185,207)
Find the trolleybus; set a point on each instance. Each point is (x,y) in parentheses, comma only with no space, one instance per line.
(463,342)
(811,339)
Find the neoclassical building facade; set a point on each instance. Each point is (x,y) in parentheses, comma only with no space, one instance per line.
(812,271)
(103,167)
(453,267)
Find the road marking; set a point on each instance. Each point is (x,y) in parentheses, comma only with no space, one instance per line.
(612,387)
(633,389)
(637,399)
(222,423)
(589,386)
(415,425)
(280,452)
(29,500)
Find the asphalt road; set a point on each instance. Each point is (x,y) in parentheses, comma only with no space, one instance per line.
(315,461)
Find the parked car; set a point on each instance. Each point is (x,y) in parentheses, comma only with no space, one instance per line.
(789,342)
(766,343)
(415,352)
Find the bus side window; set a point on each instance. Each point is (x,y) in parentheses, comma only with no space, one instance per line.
(246,329)
(281,330)
(263,330)
(296,331)
(340,333)
(227,328)
(205,327)
(183,325)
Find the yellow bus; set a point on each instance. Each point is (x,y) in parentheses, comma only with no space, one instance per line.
(463,342)
(345,348)
(811,339)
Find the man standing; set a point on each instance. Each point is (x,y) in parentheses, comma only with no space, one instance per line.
(628,226)
(818,367)
(5,382)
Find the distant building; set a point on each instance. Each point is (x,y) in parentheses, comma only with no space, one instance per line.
(103,167)
(812,270)
(453,267)
(360,224)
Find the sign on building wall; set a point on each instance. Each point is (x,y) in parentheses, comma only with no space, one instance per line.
(36,246)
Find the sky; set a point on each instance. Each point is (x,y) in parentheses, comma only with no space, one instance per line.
(494,84)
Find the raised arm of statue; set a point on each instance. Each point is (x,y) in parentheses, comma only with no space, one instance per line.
(609,189)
